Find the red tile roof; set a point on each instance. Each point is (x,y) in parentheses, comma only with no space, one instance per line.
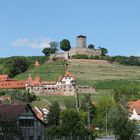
(36,82)
(38,114)
(134,104)
(29,80)
(49,82)
(12,84)
(68,74)
(4,77)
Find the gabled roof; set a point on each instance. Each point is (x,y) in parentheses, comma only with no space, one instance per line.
(29,80)
(68,74)
(4,77)
(134,104)
(10,112)
(36,81)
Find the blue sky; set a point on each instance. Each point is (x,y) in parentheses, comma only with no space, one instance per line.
(26,26)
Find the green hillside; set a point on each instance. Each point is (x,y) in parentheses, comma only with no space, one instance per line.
(49,71)
(104,75)
(101,75)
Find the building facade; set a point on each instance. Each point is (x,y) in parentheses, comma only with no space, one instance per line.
(65,85)
(29,126)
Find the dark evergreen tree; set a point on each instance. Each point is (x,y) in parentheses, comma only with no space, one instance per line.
(54,114)
(65,45)
(91,46)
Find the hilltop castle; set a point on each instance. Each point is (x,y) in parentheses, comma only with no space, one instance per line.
(81,48)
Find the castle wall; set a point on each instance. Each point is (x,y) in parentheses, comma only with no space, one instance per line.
(85,51)
(62,55)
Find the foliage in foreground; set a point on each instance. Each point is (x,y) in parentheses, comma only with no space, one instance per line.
(123,128)
(72,123)
(126,93)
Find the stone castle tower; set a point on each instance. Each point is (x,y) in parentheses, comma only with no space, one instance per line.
(81,41)
(82,49)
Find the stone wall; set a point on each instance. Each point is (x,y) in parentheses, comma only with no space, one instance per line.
(86,89)
(85,51)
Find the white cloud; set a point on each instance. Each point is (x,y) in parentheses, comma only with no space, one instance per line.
(25,42)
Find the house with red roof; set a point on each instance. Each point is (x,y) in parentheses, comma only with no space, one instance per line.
(31,127)
(134,107)
(65,85)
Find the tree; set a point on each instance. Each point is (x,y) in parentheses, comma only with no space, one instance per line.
(26,97)
(88,106)
(16,65)
(54,45)
(52,49)
(126,93)
(65,45)
(54,114)
(71,123)
(123,128)
(104,104)
(104,51)
(91,46)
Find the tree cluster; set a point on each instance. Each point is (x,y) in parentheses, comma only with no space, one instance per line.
(17,64)
(72,123)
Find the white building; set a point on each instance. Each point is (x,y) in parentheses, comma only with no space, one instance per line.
(134,108)
(65,85)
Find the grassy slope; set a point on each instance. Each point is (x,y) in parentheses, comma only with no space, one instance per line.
(48,71)
(103,76)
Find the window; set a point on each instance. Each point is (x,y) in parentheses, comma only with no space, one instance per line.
(26,123)
(30,123)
